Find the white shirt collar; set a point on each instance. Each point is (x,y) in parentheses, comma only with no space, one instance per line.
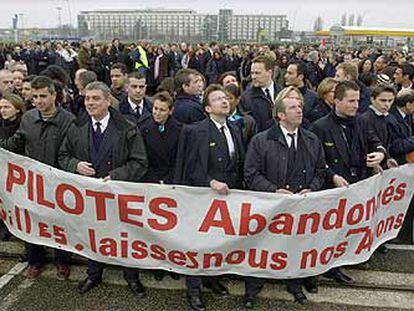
(287,137)
(104,122)
(219,125)
(402,113)
(134,106)
(271,88)
(377,112)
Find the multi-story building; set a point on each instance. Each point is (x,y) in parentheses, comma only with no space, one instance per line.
(174,25)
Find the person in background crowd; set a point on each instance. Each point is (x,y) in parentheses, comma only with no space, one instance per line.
(39,137)
(83,79)
(380,64)
(366,71)
(258,99)
(6,81)
(280,70)
(403,76)
(229,77)
(84,56)
(118,81)
(189,86)
(27,92)
(103,144)
(325,102)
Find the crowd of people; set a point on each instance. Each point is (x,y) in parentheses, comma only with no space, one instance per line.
(286,120)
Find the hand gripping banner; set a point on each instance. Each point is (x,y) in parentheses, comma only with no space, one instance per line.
(195,231)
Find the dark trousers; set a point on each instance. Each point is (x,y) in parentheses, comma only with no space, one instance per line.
(95,270)
(36,256)
(194,283)
(295,285)
(406,233)
(252,287)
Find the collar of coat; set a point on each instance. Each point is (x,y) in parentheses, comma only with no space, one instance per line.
(275,133)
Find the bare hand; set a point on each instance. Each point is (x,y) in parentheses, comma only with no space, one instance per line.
(284,191)
(85,168)
(304,191)
(339,181)
(374,159)
(391,163)
(219,187)
(106,178)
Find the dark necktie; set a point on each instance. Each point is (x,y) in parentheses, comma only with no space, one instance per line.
(292,144)
(269,97)
(137,111)
(291,153)
(98,134)
(225,138)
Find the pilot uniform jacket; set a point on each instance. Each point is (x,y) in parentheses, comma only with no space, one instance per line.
(337,151)
(266,166)
(401,135)
(254,102)
(121,152)
(125,109)
(203,156)
(161,149)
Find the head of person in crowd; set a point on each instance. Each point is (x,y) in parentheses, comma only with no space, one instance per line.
(11,107)
(381,80)
(77,73)
(86,77)
(216,103)
(289,112)
(167,85)
(44,96)
(366,66)
(381,63)
(289,92)
(85,44)
(346,72)
(162,107)
(118,76)
(326,91)
(57,74)
(346,99)
(262,71)
(136,86)
(382,98)
(189,82)
(229,77)
(18,78)
(283,61)
(313,57)
(404,75)
(97,100)
(22,67)
(233,92)
(6,81)
(296,74)
(405,101)
(27,88)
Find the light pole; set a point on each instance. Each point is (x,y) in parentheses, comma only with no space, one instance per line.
(59,10)
(70,17)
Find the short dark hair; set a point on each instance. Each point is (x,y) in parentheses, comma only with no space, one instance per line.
(41,82)
(56,73)
(210,89)
(164,97)
(268,61)
(407,69)
(29,78)
(136,75)
(300,68)
(404,97)
(383,89)
(86,77)
(344,86)
(233,90)
(121,67)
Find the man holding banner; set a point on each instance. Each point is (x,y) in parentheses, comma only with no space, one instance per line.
(210,153)
(300,169)
(103,144)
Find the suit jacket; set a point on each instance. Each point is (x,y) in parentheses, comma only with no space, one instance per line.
(254,102)
(266,163)
(188,109)
(336,148)
(401,138)
(193,153)
(129,158)
(125,109)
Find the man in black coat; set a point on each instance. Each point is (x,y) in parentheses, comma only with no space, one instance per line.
(287,159)
(189,85)
(136,107)
(258,99)
(160,133)
(296,75)
(103,144)
(351,148)
(210,154)
(118,74)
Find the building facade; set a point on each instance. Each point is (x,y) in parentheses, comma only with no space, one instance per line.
(177,25)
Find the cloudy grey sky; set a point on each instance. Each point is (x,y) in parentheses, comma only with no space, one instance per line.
(301,13)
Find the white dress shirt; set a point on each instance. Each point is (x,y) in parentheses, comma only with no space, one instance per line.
(227,133)
(104,123)
(288,138)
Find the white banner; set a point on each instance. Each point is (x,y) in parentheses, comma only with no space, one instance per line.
(193,230)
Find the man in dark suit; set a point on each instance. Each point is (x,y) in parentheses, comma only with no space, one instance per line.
(136,107)
(351,148)
(300,167)
(210,154)
(189,85)
(103,144)
(258,99)
(160,133)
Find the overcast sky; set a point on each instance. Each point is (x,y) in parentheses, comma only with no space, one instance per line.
(301,13)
